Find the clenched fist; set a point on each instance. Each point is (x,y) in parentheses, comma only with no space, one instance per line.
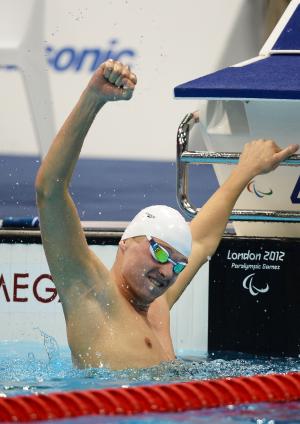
(113,81)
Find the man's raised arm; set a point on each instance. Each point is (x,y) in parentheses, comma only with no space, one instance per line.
(258,157)
(67,252)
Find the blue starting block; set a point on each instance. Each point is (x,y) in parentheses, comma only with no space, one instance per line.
(258,98)
(276,77)
(253,281)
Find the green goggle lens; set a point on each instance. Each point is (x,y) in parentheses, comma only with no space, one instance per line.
(161,255)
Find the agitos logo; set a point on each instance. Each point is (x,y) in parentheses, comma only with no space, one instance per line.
(251,187)
(253,290)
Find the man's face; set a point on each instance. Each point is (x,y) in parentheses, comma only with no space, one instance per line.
(143,275)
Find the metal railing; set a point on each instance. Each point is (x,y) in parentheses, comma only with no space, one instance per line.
(186,158)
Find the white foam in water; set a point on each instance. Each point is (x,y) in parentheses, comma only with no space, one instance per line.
(45,367)
(30,368)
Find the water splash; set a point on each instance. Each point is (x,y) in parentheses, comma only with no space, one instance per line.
(46,367)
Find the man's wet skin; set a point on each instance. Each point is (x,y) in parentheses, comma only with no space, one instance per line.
(136,322)
(139,277)
(120,318)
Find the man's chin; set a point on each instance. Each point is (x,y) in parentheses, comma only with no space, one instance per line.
(156,288)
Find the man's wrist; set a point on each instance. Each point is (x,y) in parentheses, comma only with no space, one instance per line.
(241,175)
(92,95)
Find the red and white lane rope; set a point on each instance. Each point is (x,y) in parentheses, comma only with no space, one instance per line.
(176,397)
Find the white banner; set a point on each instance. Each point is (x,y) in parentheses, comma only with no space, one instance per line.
(165,42)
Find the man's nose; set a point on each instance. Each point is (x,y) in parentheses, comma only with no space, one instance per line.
(166,271)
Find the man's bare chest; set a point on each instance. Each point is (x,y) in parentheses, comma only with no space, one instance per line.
(120,339)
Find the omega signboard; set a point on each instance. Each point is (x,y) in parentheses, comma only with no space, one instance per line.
(254,296)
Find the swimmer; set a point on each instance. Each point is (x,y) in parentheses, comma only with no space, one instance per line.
(120,317)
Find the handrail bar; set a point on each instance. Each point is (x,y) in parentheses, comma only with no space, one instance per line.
(185,158)
(227,158)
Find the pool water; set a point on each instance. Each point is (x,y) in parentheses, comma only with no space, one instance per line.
(265,413)
(31,367)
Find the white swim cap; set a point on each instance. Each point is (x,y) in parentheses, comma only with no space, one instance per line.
(162,222)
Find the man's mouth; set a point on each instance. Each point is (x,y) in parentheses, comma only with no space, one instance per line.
(156,282)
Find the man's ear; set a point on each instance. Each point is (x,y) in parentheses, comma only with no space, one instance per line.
(123,245)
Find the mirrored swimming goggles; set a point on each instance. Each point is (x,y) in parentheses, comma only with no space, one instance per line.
(161,255)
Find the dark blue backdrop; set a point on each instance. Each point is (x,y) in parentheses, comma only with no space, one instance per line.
(111,190)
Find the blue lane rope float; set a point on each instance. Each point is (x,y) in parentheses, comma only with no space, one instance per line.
(25,222)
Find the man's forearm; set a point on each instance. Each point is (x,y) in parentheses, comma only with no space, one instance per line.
(209,224)
(258,157)
(57,168)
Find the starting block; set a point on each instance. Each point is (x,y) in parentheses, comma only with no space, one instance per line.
(254,293)
(255,99)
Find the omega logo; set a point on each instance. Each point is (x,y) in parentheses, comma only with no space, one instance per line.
(42,289)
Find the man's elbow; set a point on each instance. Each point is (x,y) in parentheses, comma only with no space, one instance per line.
(46,188)
(41,186)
